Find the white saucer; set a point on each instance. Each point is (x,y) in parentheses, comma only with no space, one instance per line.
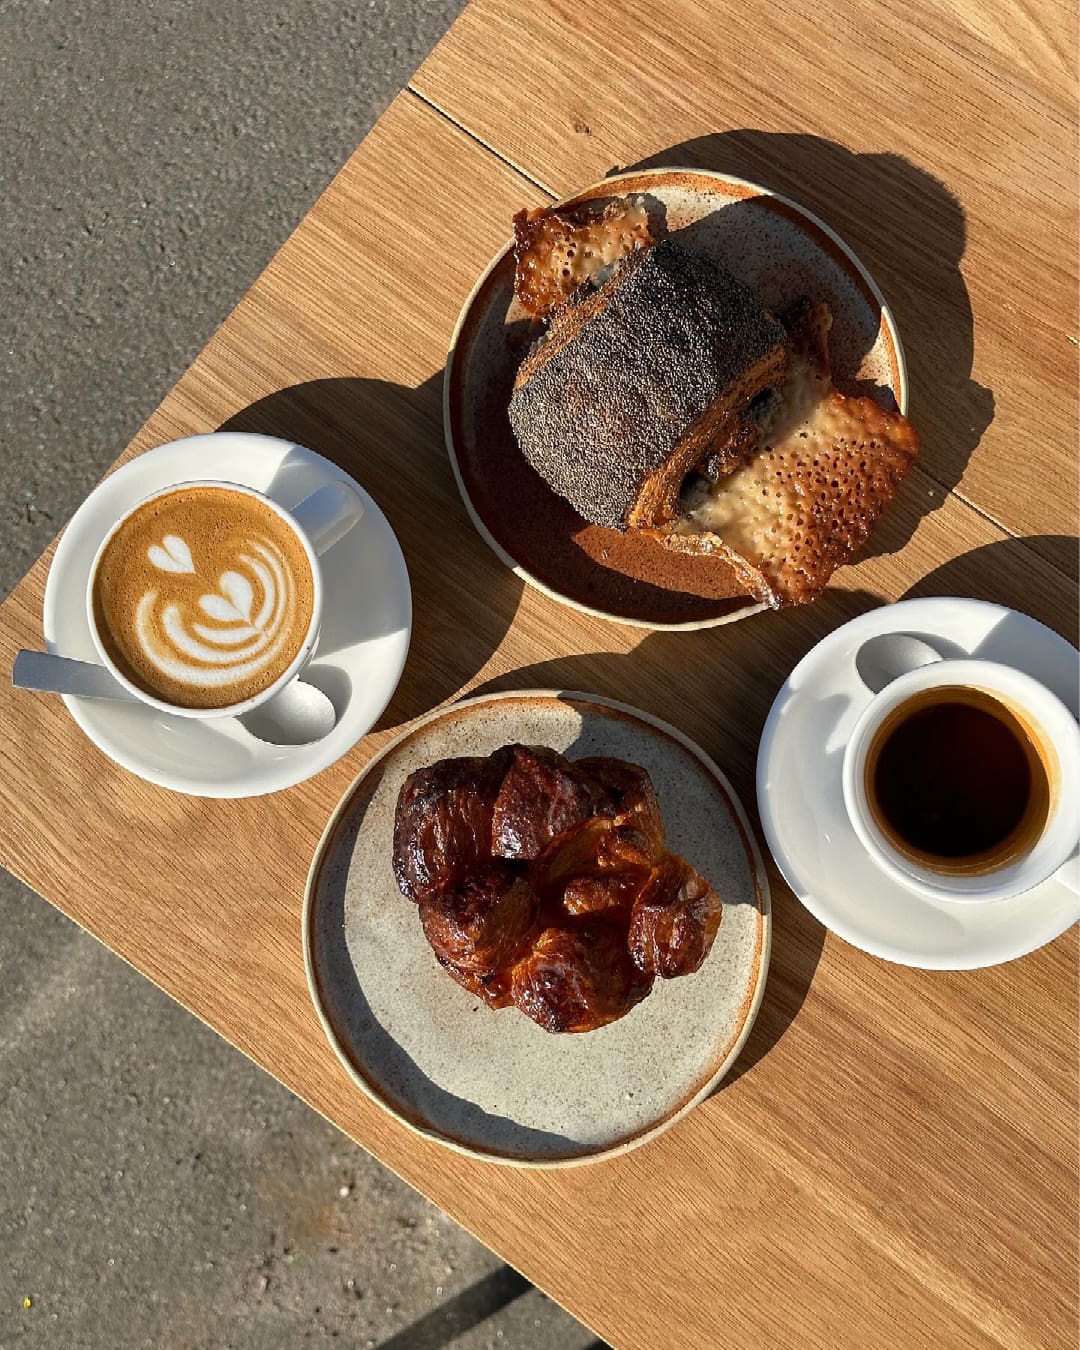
(802,808)
(367,622)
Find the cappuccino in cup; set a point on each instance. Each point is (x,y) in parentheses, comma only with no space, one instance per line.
(204,596)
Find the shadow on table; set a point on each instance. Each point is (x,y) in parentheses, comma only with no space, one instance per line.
(389,438)
(909,230)
(1007,573)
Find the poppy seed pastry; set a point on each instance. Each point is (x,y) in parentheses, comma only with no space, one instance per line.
(636,382)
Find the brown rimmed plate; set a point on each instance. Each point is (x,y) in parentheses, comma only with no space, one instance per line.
(768,242)
(491,1083)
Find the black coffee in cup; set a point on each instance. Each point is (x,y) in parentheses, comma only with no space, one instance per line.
(957,782)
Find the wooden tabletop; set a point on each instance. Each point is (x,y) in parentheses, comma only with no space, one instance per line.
(894,1161)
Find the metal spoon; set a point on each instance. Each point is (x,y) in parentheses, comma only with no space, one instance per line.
(884,658)
(298,715)
(51,674)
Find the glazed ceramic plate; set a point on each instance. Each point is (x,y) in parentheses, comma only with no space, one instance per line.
(800,794)
(363,642)
(492,1083)
(769,243)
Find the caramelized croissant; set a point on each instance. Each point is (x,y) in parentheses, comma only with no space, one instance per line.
(542,794)
(477,927)
(633,800)
(480,923)
(546,883)
(578,979)
(593,894)
(674,920)
(442,826)
(598,865)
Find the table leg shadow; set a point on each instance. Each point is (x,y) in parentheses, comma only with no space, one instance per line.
(465,1311)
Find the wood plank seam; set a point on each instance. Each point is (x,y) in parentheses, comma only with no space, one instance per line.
(478,140)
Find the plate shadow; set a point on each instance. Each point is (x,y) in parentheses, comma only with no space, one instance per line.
(389,438)
(1007,572)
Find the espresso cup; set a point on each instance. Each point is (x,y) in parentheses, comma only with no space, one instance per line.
(1046,733)
(314,525)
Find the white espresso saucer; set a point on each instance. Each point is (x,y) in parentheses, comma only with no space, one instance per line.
(363,642)
(802,808)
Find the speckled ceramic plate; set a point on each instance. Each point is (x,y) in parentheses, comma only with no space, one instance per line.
(492,1083)
(769,243)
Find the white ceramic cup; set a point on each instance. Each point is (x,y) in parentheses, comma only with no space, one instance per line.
(1058,740)
(318,522)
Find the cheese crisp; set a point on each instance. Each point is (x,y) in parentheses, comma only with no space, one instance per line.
(808,498)
(557,251)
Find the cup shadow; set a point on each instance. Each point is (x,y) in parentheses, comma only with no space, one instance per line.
(909,230)
(1008,572)
(798,938)
(389,438)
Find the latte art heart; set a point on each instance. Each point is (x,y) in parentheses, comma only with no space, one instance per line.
(239,642)
(204,596)
(172,555)
(235,602)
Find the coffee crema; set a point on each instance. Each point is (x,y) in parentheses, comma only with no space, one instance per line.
(957,782)
(203,597)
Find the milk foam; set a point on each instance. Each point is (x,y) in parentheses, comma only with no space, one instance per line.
(253,611)
(203,596)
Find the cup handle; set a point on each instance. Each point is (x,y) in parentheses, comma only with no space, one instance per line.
(328,514)
(884,658)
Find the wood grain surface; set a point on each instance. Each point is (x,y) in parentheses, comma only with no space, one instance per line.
(894,1160)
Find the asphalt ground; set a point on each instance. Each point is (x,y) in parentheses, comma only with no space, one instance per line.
(156,1189)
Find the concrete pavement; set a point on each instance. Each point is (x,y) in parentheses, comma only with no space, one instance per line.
(156,1189)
